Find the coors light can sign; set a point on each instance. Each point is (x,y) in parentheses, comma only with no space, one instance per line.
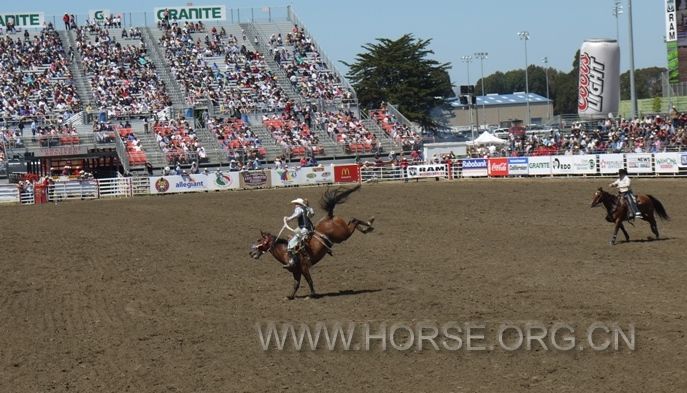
(599,86)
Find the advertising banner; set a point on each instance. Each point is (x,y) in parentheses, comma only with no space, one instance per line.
(193,13)
(517,166)
(683,160)
(98,15)
(284,177)
(599,82)
(218,181)
(194,183)
(666,162)
(610,163)
(346,173)
(498,166)
(638,163)
(473,167)
(255,179)
(315,175)
(427,170)
(573,165)
(539,165)
(24,20)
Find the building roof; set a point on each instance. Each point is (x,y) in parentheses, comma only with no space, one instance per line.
(517,98)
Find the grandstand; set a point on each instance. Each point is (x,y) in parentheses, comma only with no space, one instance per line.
(173,92)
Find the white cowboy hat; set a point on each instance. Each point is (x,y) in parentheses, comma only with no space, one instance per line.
(299,201)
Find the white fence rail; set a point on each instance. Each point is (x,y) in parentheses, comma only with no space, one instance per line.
(638,164)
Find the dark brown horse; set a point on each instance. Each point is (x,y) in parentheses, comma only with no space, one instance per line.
(617,209)
(314,252)
(329,230)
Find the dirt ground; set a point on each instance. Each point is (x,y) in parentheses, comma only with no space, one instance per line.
(158,294)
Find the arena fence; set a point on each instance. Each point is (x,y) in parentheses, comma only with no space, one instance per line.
(591,165)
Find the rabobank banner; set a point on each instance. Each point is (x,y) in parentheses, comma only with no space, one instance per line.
(473,167)
(517,166)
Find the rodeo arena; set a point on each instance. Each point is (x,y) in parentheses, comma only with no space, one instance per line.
(150,165)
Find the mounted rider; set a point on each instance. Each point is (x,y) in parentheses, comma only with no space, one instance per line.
(302,212)
(623,184)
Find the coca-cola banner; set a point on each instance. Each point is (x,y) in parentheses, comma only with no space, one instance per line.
(498,167)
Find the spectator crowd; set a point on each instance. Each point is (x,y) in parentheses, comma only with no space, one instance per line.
(35,80)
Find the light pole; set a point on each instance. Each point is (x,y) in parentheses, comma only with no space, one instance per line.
(617,10)
(467,60)
(546,73)
(482,56)
(633,92)
(525,36)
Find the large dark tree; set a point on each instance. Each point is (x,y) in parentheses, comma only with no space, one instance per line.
(401,72)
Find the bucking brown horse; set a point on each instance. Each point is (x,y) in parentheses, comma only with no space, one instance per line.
(329,230)
(617,209)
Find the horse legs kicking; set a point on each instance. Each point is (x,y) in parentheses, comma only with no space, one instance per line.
(362,226)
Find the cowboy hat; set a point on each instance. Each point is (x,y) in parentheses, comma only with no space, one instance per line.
(300,201)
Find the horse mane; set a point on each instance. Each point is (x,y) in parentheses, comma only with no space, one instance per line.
(335,196)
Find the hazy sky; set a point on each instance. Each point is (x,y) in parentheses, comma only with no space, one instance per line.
(457,28)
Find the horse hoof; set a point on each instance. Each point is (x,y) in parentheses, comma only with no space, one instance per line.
(312,296)
(289,298)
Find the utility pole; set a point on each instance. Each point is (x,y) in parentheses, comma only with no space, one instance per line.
(633,92)
(546,73)
(482,56)
(525,36)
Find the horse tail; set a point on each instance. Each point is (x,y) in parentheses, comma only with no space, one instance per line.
(660,210)
(335,196)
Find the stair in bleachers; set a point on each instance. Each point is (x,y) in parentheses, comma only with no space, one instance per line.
(213,149)
(156,55)
(387,143)
(263,46)
(149,145)
(81,83)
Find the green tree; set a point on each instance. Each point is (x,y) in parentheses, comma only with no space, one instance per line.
(401,72)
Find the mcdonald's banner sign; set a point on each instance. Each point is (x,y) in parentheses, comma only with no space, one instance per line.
(346,173)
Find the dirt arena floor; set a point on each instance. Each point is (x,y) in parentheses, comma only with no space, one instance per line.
(158,294)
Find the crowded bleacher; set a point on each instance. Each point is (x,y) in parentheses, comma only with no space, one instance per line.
(650,134)
(35,80)
(217,66)
(178,141)
(346,129)
(307,71)
(399,132)
(122,78)
(236,138)
(292,134)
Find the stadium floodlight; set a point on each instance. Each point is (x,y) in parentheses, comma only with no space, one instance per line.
(525,36)
(545,60)
(482,56)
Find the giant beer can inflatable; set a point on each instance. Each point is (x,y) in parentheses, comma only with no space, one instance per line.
(599,85)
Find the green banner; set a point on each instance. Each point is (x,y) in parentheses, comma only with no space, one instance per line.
(673,62)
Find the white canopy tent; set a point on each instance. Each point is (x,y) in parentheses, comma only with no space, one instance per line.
(487,139)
